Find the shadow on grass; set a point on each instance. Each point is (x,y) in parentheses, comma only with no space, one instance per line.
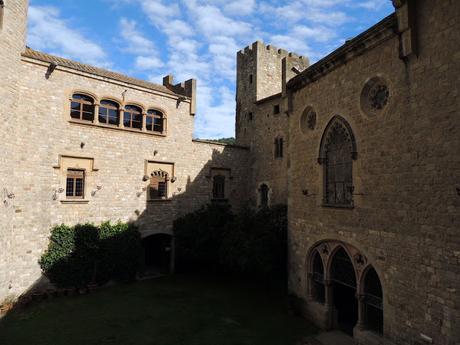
(183,309)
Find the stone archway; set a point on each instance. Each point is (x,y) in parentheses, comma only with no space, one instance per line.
(158,254)
(342,274)
(353,296)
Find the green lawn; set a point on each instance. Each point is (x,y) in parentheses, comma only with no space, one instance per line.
(184,310)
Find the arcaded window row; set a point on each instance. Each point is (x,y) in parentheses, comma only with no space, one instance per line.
(109,112)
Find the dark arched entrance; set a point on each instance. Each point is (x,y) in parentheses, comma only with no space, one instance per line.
(373,299)
(157,253)
(344,291)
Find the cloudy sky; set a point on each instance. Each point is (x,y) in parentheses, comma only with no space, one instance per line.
(198,39)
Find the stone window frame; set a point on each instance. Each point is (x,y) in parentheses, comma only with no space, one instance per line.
(263,200)
(337,120)
(95,122)
(168,177)
(74,175)
(278,147)
(327,249)
(91,101)
(218,187)
(308,119)
(116,107)
(132,110)
(227,174)
(158,183)
(156,113)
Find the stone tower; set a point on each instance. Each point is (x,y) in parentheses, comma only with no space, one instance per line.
(261,114)
(13,23)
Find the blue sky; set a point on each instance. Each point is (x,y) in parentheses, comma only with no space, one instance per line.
(198,39)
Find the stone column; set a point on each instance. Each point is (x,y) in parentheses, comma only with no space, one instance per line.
(329,302)
(310,292)
(96,113)
(144,122)
(122,117)
(361,324)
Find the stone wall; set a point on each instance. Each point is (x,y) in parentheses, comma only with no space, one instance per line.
(406,211)
(39,138)
(262,73)
(12,42)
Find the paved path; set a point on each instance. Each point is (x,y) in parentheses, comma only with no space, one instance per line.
(330,338)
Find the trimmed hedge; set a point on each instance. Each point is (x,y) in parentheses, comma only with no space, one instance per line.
(215,239)
(84,254)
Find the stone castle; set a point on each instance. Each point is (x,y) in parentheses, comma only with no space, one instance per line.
(363,146)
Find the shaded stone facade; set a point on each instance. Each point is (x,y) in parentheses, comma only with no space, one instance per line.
(396,87)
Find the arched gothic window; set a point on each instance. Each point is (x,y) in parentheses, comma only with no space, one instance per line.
(263,195)
(132,117)
(373,299)
(318,278)
(337,152)
(109,113)
(82,107)
(218,187)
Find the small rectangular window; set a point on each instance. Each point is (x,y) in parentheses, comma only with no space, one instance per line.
(279,148)
(250,79)
(75,184)
(276,109)
(218,187)
(250,116)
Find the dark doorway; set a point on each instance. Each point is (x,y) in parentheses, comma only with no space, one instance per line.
(374,301)
(344,288)
(157,253)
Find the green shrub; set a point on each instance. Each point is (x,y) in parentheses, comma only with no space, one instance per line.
(251,242)
(83,254)
(198,236)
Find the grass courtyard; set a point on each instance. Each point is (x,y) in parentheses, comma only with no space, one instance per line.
(179,310)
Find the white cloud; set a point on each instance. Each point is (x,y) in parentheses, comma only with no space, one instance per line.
(371,4)
(147,63)
(48,32)
(200,38)
(240,7)
(136,43)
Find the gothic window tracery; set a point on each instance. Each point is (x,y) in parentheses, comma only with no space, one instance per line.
(338,149)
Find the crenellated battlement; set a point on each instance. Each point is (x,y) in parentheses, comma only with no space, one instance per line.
(261,48)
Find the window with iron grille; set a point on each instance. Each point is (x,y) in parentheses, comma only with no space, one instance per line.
(279,147)
(218,187)
(132,117)
(338,149)
(155,121)
(158,188)
(109,113)
(82,107)
(75,184)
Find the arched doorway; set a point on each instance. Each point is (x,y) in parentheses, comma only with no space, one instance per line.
(373,300)
(344,291)
(157,253)
(318,278)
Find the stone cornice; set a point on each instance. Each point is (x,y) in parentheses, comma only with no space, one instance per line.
(367,40)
